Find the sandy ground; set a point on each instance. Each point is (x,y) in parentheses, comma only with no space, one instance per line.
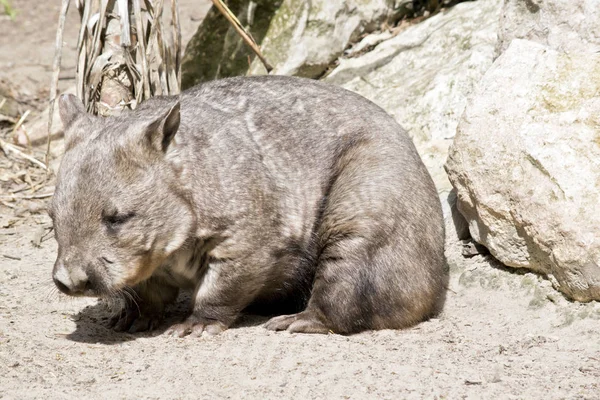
(27,42)
(502,335)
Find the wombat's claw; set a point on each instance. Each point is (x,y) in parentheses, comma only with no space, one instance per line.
(133,322)
(194,327)
(144,323)
(122,321)
(304,322)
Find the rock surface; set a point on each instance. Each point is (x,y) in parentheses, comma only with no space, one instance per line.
(424,75)
(526,165)
(304,38)
(563,25)
(216,50)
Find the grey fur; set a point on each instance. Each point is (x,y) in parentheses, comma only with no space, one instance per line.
(265,192)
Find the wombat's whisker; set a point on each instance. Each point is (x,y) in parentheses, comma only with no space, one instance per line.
(131,291)
(133,297)
(114,304)
(51,294)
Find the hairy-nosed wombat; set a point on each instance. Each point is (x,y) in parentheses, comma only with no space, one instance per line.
(268,191)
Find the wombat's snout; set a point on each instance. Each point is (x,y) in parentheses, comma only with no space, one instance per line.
(70,283)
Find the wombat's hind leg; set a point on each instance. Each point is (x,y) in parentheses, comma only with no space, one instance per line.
(305,322)
(337,304)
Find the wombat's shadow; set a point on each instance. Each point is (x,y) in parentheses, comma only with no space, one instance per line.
(92,323)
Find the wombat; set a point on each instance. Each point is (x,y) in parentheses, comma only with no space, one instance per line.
(279,194)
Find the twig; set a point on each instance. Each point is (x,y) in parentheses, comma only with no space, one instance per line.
(56,72)
(7,205)
(6,147)
(5,117)
(30,197)
(20,122)
(241,31)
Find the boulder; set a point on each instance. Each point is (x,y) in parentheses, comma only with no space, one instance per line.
(424,75)
(526,165)
(297,37)
(216,50)
(306,37)
(563,25)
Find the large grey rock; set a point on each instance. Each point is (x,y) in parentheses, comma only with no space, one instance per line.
(563,25)
(305,37)
(526,165)
(216,50)
(424,75)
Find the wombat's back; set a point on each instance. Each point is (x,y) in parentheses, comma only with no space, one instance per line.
(296,127)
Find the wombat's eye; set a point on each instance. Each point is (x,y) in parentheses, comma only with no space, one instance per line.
(114,220)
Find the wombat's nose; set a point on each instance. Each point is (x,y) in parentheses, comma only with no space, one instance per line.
(67,283)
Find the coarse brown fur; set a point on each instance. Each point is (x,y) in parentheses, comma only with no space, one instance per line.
(257,192)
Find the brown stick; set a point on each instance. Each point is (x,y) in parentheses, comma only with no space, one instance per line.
(6,147)
(30,197)
(56,71)
(241,31)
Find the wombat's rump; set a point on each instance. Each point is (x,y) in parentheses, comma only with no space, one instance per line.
(262,191)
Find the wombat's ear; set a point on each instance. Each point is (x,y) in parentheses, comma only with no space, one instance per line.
(70,109)
(161,132)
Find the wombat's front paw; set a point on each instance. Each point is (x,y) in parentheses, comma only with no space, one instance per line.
(132,321)
(195,326)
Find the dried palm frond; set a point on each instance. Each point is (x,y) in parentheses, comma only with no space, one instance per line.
(126,54)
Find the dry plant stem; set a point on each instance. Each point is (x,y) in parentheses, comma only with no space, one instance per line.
(241,31)
(6,147)
(134,57)
(124,20)
(81,50)
(176,40)
(7,205)
(55,73)
(157,12)
(95,49)
(19,123)
(137,10)
(31,197)
(162,69)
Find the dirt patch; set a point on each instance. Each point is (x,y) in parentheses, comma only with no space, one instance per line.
(502,334)
(27,42)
